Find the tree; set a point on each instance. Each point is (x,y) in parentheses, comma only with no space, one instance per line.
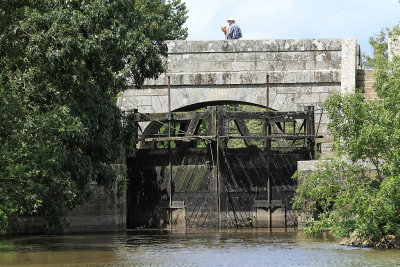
(62,65)
(363,131)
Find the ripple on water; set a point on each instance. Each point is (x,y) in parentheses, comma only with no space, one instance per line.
(191,248)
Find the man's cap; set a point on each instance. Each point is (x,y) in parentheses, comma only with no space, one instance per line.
(231,18)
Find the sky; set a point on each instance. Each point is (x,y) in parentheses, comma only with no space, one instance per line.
(266,19)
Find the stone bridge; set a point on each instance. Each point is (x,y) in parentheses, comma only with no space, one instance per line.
(302,72)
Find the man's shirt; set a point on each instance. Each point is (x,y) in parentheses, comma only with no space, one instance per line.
(234,31)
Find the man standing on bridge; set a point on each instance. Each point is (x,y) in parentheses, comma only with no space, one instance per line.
(234,30)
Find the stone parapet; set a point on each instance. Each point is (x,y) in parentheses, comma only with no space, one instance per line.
(262,45)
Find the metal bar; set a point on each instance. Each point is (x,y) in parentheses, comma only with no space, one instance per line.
(269,186)
(169,145)
(268,147)
(271,137)
(267,92)
(169,94)
(218,114)
(213,138)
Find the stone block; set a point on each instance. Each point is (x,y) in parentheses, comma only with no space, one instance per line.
(310,65)
(178,219)
(148,109)
(261,218)
(243,66)
(327,76)
(349,65)
(160,102)
(225,66)
(304,77)
(105,209)
(86,209)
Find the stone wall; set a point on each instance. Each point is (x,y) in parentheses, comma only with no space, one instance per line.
(302,72)
(105,212)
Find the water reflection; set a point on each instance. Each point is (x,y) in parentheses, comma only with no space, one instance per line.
(190,248)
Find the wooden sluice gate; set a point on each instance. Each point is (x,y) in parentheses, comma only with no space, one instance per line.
(193,170)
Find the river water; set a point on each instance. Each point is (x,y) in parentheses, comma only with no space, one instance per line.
(189,248)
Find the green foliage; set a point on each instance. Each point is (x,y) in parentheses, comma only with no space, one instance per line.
(379,43)
(62,66)
(343,198)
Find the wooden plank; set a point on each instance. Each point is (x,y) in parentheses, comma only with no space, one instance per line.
(212,121)
(244,131)
(222,126)
(277,131)
(287,137)
(185,138)
(175,116)
(271,115)
(193,126)
(187,116)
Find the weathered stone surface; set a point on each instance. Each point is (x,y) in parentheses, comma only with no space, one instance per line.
(274,45)
(239,78)
(349,65)
(302,72)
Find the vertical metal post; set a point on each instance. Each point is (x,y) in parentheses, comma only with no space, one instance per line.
(267,92)
(220,130)
(169,142)
(215,185)
(269,183)
(218,179)
(269,187)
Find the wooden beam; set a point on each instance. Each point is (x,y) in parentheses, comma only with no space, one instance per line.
(277,131)
(287,137)
(190,115)
(271,115)
(222,126)
(244,131)
(175,116)
(212,121)
(193,125)
(186,138)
